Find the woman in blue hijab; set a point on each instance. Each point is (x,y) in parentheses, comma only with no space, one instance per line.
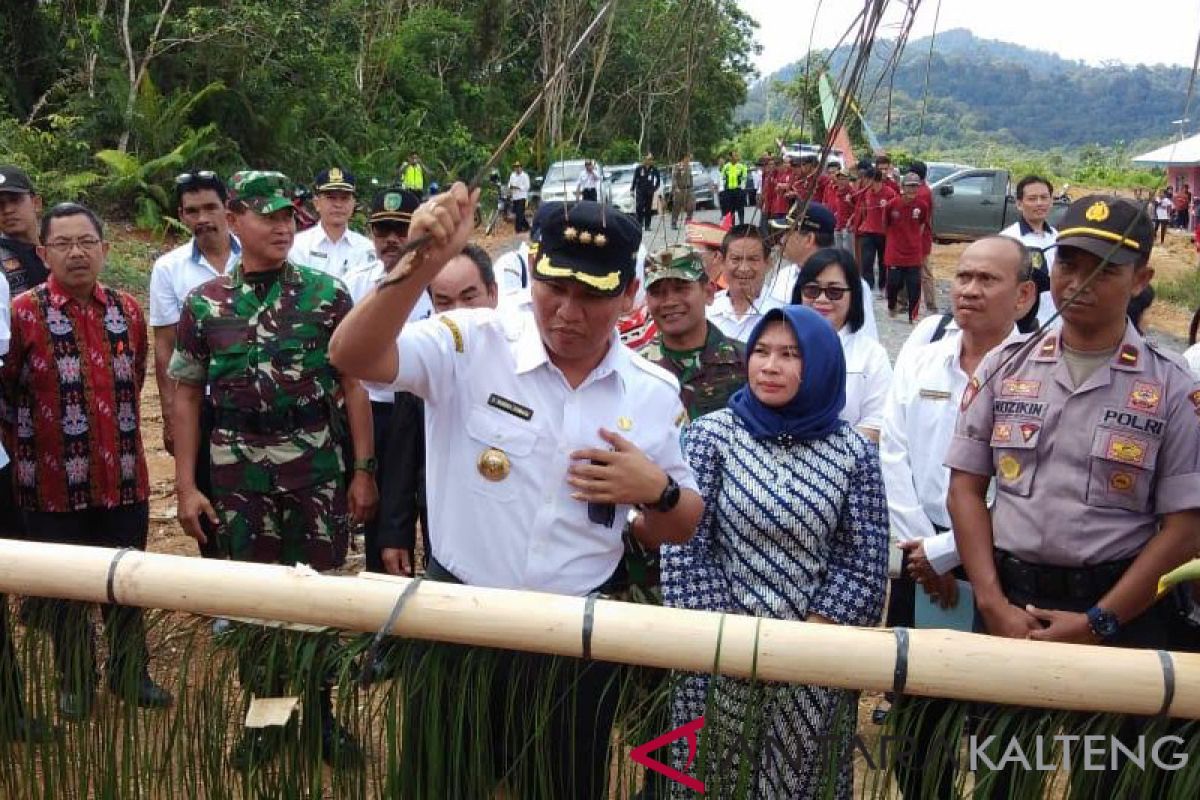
(794,527)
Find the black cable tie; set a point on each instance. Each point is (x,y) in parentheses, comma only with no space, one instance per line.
(110,584)
(900,674)
(368,664)
(1168,668)
(589,621)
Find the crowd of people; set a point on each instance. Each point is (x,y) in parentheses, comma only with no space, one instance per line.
(711,426)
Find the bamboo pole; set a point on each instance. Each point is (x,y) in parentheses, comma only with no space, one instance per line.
(940,663)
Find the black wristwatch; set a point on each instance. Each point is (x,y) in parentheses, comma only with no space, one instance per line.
(667,500)
(1103,623)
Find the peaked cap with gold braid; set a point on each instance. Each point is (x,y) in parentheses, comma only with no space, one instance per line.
(1109,227)
(588,242)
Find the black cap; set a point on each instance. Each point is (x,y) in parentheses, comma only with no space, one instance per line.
(817,219)
(15,181)
(1107,226)
(394,204)
(334,179)
(589,242)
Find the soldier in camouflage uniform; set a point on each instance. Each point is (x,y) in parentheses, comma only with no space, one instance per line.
(710,367)
(257,339)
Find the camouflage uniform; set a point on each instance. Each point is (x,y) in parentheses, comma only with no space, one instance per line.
(277,470)
(707,378)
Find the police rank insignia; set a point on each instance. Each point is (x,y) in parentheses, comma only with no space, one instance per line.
(1145,397)
(1097,212)
(1128,356)
(493,464)
(1010,468)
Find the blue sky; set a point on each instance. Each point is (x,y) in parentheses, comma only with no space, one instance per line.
(1155,32)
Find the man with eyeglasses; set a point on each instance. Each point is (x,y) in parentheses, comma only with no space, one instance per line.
(210,253)
(391,211)
(331,246)
(74,375)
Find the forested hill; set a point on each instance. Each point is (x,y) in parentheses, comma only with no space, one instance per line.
(983,91)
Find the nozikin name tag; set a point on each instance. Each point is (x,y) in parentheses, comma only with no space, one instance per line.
(510,407)
(934,394)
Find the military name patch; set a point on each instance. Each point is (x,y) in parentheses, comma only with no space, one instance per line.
(1145,396)
(934,394)
(1127,419)
(1019,408)
(510,407)
(1126,449)
(1001,432)
(1014,387)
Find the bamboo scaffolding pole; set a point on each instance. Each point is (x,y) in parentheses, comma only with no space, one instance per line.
(939,663)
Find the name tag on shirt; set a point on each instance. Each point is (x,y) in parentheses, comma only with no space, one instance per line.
(934,394)
(510,407)
(318,254)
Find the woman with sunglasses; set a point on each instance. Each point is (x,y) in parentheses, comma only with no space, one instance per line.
(829,284)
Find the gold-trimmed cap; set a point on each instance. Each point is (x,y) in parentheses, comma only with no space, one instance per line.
(1108,226)
(587,242)
(393,204)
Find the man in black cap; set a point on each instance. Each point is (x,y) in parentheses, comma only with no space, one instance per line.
(20,212)
(1092,442)
(550,432)
(331,246)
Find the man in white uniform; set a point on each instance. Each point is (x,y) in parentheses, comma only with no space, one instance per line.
(1035,198)
(548,433)
(330,245)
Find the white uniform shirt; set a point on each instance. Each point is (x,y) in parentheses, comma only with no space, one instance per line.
(176,273)
(518,185)
(361,279)
(488,383)
(313,248)
(868,376)
(721,314)
(512,270)
(1043,240)
(919,415)
(588,180)
(1191,356)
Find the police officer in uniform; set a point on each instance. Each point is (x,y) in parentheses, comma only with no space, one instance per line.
(1094,442)
(549,431)
(330,245)
(646,180)
(257,339)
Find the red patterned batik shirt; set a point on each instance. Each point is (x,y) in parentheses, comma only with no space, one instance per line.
(73,377)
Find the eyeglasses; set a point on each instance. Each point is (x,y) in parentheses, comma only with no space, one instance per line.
(184,178)
(812,291)
(67,245)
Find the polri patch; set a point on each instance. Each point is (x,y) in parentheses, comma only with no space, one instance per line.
(510,407)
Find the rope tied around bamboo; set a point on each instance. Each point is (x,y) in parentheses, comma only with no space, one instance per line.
(940,663)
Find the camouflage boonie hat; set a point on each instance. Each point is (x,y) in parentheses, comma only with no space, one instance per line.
(680,263)
(263,192)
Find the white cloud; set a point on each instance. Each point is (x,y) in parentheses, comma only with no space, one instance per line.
(1160,32)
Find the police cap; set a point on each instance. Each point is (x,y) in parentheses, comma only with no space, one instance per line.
(589,242)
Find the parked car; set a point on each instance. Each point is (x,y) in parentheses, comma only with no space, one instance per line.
(560,179)
(620,187)
(973,203)
(799,149)
(936,170)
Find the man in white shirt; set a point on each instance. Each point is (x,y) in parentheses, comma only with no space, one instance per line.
(330,245)
(744,262)
(518,192)
(801,240)
(1035,198)
(549,432)
(991,290)
(588,185)
(210,253)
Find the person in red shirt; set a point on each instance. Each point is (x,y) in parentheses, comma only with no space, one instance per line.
(1183,202)
(843,212)
(906,219)
(883,163)
(808,184)
(780,203)
(871,230)
(73,377)
(924,195)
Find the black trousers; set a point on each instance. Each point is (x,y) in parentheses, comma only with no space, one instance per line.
(572,740)
(910,279)
(381,416)
(402,495)
(588,194)
(871,250)
(644,210)
(520,224)
(733,201)
(67,620)
(211,547)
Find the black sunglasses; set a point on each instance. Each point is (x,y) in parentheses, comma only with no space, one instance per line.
(812,291)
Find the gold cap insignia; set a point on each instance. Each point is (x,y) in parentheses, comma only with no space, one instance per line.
(335,175)
(600,240)
(1097,211)
(494,465)
(570,234)
(585,237)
